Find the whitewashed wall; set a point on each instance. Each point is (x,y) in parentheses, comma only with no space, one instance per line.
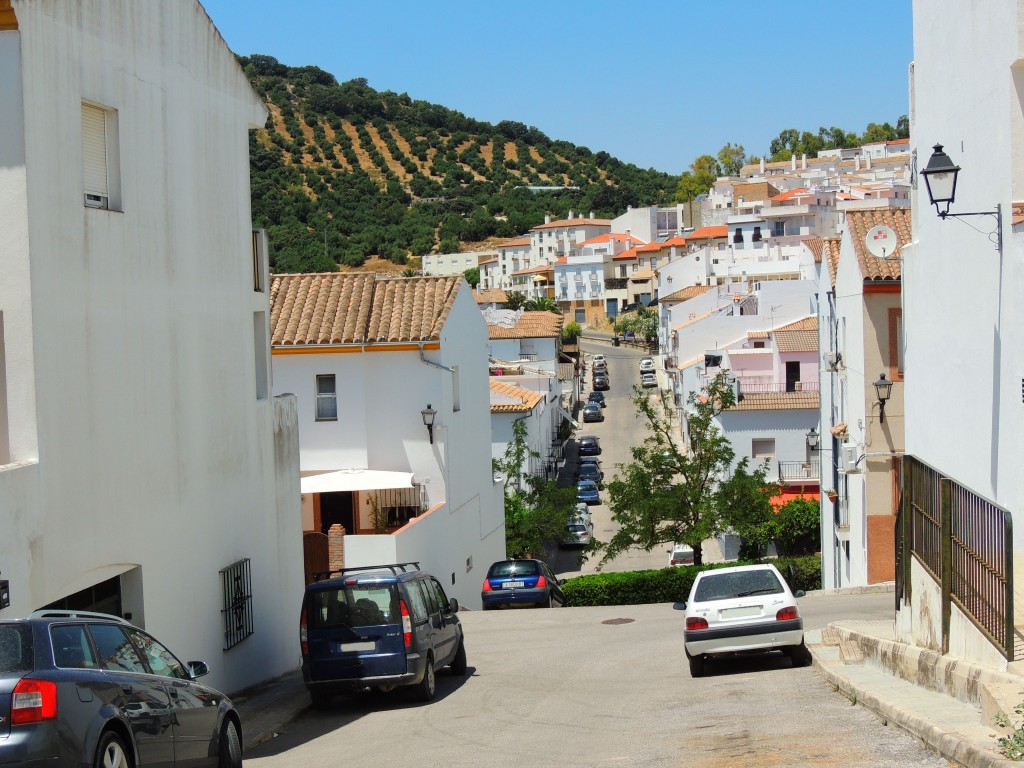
(155,459)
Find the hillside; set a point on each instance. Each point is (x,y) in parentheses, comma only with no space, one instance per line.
(343,172)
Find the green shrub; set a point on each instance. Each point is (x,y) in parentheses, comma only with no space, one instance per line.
(671,584)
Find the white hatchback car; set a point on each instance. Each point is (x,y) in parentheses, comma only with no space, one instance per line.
(742,609)
(647,364)
(648,380)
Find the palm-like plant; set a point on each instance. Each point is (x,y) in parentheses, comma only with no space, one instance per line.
(542,304)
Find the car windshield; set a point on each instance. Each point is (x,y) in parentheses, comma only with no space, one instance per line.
(354,605)
(513,568)
(723,586)
(15,648)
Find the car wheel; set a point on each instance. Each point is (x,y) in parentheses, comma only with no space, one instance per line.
(320,699)
(458,665)
(799,655)
(112,752)
(427,687)
(230,746)
(696,665)
(548,603)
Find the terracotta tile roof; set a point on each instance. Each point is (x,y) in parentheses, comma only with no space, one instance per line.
(708,233)
(351,308)
(533,270)
(490,296)
(831,257)
(625,255)
(685,294)
(562,223)
(508,398)
(757,334)
(874,269)
(519,241)
(1018,213)
(798,192)
(814,245)
(664,245)
(531,325)
(894,142)
(800,336)
(562,260)
(608,237)
(492,260)
(809,323)
(777,401)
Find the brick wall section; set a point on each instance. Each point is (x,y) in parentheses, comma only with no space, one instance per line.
(336,547)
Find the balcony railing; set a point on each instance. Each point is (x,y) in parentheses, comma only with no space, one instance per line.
(797,470)
(754,386)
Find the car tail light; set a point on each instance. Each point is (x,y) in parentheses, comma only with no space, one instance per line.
(33,701)
(303,634)
(787,613)
(486,587)
(541,582)
(696,622)
(406,625)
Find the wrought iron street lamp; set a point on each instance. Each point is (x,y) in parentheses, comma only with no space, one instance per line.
(940,178)
(883,390)
(428,415)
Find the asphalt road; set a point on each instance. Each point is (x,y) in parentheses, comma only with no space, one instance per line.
(606,687)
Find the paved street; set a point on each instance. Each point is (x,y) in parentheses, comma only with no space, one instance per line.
(606,687)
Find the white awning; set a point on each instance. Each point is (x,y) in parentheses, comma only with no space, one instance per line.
(355,480)
(568,415)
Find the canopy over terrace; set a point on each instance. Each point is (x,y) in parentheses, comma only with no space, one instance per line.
(356,480)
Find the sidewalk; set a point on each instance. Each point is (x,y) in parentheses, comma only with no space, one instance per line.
(269,706)
(948,703)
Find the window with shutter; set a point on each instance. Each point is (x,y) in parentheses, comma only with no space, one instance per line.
(94,156)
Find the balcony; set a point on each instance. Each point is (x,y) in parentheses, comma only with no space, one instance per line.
(615,283)
(797,471)
(751,386)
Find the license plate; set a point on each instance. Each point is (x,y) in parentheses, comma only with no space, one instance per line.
(368,645)
(739,613)
(514,584)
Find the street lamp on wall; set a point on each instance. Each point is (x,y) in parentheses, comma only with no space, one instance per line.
(940,178)
(883,389)
(813,438)
(428,415)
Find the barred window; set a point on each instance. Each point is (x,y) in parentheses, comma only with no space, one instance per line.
(236,586)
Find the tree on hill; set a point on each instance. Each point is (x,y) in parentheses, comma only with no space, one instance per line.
(703,173)
(731,158)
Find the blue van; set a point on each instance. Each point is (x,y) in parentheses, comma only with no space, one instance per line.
(379,628)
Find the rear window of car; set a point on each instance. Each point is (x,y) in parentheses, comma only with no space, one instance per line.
(577,528)
(15,648)
(353,605)
(723,586)
(514,568)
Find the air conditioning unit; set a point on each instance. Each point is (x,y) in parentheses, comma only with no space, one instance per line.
(832,361)
(848,456)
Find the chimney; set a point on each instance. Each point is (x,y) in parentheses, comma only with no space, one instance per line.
(547,218)
(792,163)
(762,166)
(803,162)
(856,163)
(867,159)
(570,214)
(591,214)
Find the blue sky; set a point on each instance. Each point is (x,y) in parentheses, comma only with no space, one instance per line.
(652,82)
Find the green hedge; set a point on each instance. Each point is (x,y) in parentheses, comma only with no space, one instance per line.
(671,584)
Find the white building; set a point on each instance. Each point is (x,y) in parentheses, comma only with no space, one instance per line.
(553,240)
(144,463)
(366,357)
(860,322)
(964,338)
(437,264)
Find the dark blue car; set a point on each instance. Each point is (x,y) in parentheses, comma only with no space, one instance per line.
(521,582)
(587,492)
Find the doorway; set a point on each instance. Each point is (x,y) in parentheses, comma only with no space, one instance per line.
(336,508)
(792,376)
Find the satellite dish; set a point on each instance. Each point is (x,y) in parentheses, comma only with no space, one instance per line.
(881,242)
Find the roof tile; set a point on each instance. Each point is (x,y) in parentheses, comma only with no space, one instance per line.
(874,269)
(777,401)
(531,325)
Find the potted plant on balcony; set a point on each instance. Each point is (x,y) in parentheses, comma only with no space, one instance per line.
(833,495)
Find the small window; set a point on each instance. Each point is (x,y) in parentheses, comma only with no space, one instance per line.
(762,448)
(71,647)
(896,344)
(326,398)
(101,178)
(737,235)
(236,589)
(757,235)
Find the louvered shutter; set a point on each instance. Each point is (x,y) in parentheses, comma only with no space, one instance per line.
(94,153)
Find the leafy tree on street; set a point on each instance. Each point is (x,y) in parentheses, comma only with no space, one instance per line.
(643,323)
(514,300)
(703,173)
(537,511)
(472,276)
(542,304)
(571,331)
(669,494)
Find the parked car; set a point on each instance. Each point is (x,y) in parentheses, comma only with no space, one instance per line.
(586,491)
(377,628)
(648,380)
(599,366)
(647,364)
(597,397)
(742,609)
(582,511)
(79,688)
(598,358)
(591,472)
(578,533)
(521,582)
(680,554)
(592,412)
(601,381)
(588,460)
(588,445)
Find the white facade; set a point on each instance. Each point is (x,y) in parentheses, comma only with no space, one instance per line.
(552,240)
(435,264)
(650,223)
(381,393)
(139,444)
(964,332)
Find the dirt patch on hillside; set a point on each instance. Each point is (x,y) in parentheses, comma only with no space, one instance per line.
(393,165)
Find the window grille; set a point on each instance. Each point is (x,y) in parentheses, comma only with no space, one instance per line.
(236,586)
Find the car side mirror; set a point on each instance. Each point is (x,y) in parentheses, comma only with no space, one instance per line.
(799,593)
(679,605)
(198,669)
(453,605)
